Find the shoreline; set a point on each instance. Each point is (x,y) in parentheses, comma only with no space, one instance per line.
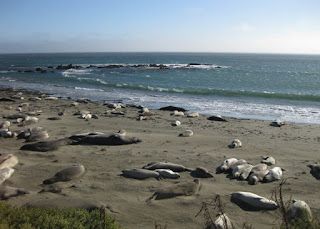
(294,146)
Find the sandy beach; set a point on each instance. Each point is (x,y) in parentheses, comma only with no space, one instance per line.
(293,146)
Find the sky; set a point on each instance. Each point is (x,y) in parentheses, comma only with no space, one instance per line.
(249,26)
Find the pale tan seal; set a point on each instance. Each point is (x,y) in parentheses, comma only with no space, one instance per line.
(226,164)
(254,201)
(180,189)
(273,174)
(258,176)
(240,169)
(5,125)
(186,133)
(7,192)
(268,160)
(66,174)
(8,160)
(5,174)
(222,221)
(236,143)
(167,173)
(300,209)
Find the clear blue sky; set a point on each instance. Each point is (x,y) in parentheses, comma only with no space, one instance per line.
(273,26)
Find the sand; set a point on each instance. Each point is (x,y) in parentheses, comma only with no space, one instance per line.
(294,146)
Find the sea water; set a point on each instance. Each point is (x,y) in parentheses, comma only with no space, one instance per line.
(260,86)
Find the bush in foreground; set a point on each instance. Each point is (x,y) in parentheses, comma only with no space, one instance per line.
(45,218)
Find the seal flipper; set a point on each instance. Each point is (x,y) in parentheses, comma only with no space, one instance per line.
(152,198)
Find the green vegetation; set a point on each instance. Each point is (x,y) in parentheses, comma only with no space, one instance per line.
(45,218)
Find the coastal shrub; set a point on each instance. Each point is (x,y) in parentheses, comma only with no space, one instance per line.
(46,218)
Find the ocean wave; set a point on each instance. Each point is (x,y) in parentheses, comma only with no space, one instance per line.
(73,72)
(88,89)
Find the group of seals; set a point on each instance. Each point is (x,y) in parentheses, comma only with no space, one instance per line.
(241,170)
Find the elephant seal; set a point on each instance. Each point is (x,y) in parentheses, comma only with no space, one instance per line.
(236,143)
(240,169)
(37,136)
(278,123)
(239,162)
(8,160)
(6,192)
(255,177)
(245,173)
(259,167)
(47,145)
(166,165)
(222,221)
(315,170)
(177,113)
(180,189)
(176,123)
(5,125)
(66,174)
(273,174)
(254,201)
(167,173)
(201,172)
(226,164)
(268,160)
(104,139)
(300,209)
(193,115)
(16,116)
(172,108)
(140,173)
(186,133)
(66,203)
(27,132)
(217,118)
(5,174)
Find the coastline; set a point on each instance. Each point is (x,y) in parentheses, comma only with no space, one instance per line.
(294,146)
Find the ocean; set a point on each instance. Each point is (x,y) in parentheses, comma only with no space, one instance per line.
(258,86)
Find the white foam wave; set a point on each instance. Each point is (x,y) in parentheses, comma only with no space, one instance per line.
(88,89)
(73,72)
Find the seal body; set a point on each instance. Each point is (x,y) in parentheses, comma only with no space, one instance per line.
(6,192)
(273,174)
(167,173)
(180,189)
(222,222)
(258,176)
(66,174)
(254,201)
(47,145)
(5,174)
(239,169)
(300,209)
(8,161)
(268,160)
(140,173)
(202,172)
(186,133)
(104,139)
(236,143)
(166,165)
(226,164)
(315,170)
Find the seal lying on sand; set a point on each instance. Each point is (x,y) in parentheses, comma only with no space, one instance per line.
(140,173)
(300,209)
(66,203)
(236,143)
(105,139)
(8,160)
(186,133)
(268,160)
(67,174)
(6,192)
(226,164)
(166,165)
(273,174)
(180,189)
(47,145)
(254,201)
(167,173)
(255,177)
(243,170)
(201,172)
(5,174)
(5,125)
(222,222)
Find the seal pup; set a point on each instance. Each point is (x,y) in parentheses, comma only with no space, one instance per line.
(259,167)
(5,125)
(177,113)
(245,173)
(66,174)
(239,162)
(226,164)
(222,221)
(167,173)
(166,165)
(236,143)
(254,201)
(240,169)
(176,123)
(268,160)
(273,174)
(180,189)
(46,146)
(186,133)
(105,139)
(278,123)
(5,174)
(300,209)
(6,133)
(66,203)
(140,174)
(201,172)
(8,160)
(315,170)
(7,192)
(27,132)
(193,115)
(217,118)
